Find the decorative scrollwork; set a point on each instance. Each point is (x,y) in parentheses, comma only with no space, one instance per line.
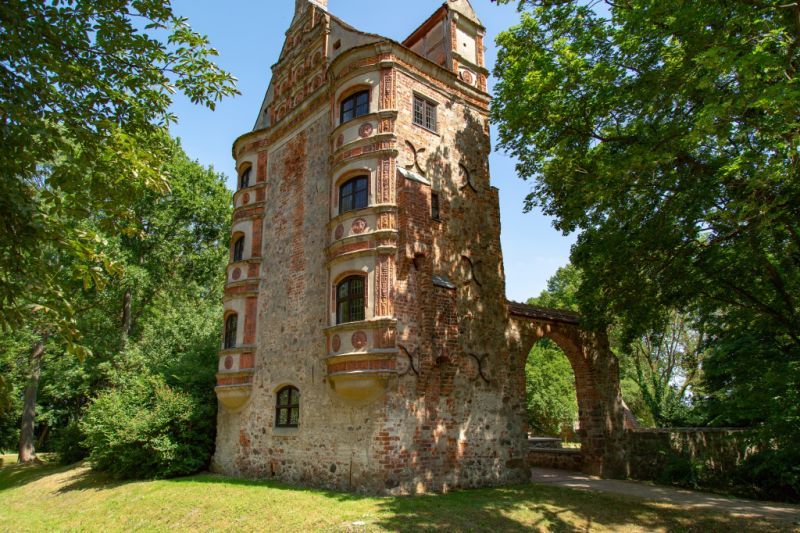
(472,276)
(415,152)
(410,358)
(467,175)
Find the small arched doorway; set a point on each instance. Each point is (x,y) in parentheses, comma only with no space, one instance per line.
(596,370)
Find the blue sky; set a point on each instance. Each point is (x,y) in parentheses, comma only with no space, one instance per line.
(249,34)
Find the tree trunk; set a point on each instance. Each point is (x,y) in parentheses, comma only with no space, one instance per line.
(27,452)
(126,317)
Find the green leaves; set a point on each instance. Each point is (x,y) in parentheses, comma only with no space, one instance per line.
(667,134)
(85,88)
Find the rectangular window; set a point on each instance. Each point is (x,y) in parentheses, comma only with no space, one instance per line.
(424,113)
(435,206)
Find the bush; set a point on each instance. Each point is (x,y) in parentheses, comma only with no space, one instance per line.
(771,474)
(68,444)
(149,430)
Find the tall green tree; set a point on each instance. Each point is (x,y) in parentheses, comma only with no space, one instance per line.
(85,90)
(667,135)
(176,259)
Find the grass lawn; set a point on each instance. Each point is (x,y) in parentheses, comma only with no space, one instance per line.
(73,498)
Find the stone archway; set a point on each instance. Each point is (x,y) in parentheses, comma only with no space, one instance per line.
(596,369)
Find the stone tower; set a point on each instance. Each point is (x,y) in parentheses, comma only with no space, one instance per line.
(367,343)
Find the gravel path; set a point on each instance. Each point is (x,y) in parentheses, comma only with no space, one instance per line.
(669,495)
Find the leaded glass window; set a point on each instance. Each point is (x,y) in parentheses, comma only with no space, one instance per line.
(354,106)
(350,300)
(424,113)
(287,408)
(353,194)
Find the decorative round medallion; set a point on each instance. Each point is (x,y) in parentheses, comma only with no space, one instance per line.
(339,233)
(237,273)
(359,340)
(339,141)
(228,363)
(359,225)
(246,198)
(365,130)
(336,343)
(466,76)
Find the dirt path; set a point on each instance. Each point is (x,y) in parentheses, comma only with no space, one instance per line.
(669,495)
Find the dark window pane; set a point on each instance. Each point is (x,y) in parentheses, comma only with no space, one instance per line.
(238,249)
(230,332)
(350,300)
(295,416)
(354,106)
(282,418)
(353,194)
(361,199)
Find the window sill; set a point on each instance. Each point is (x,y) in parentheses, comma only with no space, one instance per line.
(420,126)
(285,432)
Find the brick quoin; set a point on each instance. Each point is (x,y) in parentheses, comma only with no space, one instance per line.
(427,392)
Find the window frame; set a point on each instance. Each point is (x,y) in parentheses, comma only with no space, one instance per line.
(429,119)
(351,299)
(231,331)
(244,178)
(292,404)
(353,98)
(238,249)
(355,180)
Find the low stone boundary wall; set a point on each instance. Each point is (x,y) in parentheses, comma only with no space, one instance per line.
(561,458)
(674,453)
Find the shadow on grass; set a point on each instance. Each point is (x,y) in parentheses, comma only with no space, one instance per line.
(521,508)
(16,475)
(531,507)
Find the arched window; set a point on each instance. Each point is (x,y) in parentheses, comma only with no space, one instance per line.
(238,249)
(230,331)
(244,178)
(287,407)
(354,106)
(353,194)
(350,300)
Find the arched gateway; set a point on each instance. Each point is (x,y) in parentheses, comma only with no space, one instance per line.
(369,344)
(600,409)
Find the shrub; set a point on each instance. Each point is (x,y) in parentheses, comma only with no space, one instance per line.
(68,444)
(147,429)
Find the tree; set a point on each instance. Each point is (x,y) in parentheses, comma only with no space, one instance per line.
(177,258)
(550,389)
(667,136)
(85,90)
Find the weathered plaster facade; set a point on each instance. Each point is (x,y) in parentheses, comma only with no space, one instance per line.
(427,391)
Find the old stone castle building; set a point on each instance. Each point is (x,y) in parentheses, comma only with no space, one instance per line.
(368,344)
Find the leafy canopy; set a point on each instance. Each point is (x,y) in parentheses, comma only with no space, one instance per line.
(85,90)
(667,135)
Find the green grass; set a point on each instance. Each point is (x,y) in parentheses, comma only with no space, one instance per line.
(74,498)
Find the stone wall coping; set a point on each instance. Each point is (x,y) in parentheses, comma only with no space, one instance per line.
(557,451)
(543,313)
(685,430)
